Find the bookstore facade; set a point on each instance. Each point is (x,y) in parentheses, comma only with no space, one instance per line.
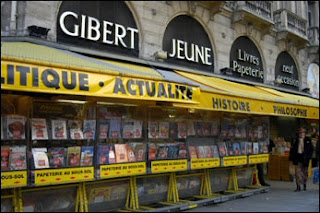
(84,133)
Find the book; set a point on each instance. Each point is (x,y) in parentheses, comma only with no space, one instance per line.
(201,152)
(73,156)
(164,129)
(198,128)
(173,151)
(255,147)
(215,151)
(56,157)
(102,154)
(103,128)
(243,146)
(40,158)
(5,154)
(206,127)
(17,158)
(215,127)
(121,153)
(137,129)
(2,131)
(173,130)
(112,154)
(87,153)
(59,129)
(75,129)
(153,129)
(230,148)
(128,128)
(182,150)
(152,151)
(190,128)
(89,129)
(182,130)
(16,127)
(193,152)
(131,153)
(162,151)
(39,129)
(139,150)
(115,126)
(208,152)
(222,149)
(249,148)
(236,148)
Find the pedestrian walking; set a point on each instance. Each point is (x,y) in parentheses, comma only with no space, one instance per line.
(300,155)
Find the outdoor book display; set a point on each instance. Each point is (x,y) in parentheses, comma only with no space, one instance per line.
(71,155)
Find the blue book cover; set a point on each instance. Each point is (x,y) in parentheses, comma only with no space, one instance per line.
(87,153)
(103,154)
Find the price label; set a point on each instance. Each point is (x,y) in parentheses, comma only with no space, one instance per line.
(205,163)
(13,179)
(262,158)
(169,166)
(235,160)
(120,170)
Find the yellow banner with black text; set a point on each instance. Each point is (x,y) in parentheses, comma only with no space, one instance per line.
(13,179)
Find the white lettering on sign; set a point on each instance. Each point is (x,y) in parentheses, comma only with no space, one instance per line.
(287,69)
(194,53)
(92,29)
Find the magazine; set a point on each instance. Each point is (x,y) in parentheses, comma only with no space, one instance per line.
(182,130)
(162,151)
(103,128)
(17,158)
(39,129)
(121,153)
(112,154)
(128,129)
(153,129)
(115,126)
(75,129)
(16,127)
(152,151)
(139,150)
(193,152)
(2,131)
(198,127)
(208,152)
(103,154)
(173,130)
(89,129)
(215,127)
(206,127)
(249,148)
(201,152)
(190,128)
(240,129)
(244,147)
(230,148)
(215,151)
(173,151)
(131,154)
(56,157)
(59,129)
(164,129)
(40,158)
(222,149)
(87,156)
(255,147)
(236,148)
(73,154)
(137,129)
(182,150)
(5,154)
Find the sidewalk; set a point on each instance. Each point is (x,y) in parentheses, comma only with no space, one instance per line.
(280,198)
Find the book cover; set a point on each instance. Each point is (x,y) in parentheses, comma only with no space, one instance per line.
(206,127)
(137,129)
(131,153)
(255,147)
(112,154)
(75,129)
(40,158)
(215,127)
(164,129)
(17,158)
(244,147)
(103,154)
(182,130)
(39,129)
(103,128)
(59,129)
(128,129)
(249,148)
(173,130)
(16,127)
(173,151)
(152,151)
(89,129)
(73,156)
(87,153)
(5,154)
(153,129)
(56,157)
(230,148)
(2,131)
(215,151)
(222,149)
(121,153)
(208,152)
(224,130)
(193,152)
(236,148)
(264,148)
(139,150)
(182,150)
(201,152)
(162,151)
(115,126)
(190,128)
(198,128)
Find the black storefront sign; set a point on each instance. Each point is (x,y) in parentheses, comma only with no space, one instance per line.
(245,60)
(187,44)
(286,72)
(107,26)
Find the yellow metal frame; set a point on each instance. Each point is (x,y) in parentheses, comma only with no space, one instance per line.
(16,205)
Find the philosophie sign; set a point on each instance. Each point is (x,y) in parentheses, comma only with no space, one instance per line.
(186,48)
(102,25)
(245,60)
(286,71)
(13,179)
(169,166)
(121,170)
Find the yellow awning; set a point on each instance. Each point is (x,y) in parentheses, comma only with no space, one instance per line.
(236,97)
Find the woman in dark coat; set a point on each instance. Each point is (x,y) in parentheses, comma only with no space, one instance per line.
(300,154)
